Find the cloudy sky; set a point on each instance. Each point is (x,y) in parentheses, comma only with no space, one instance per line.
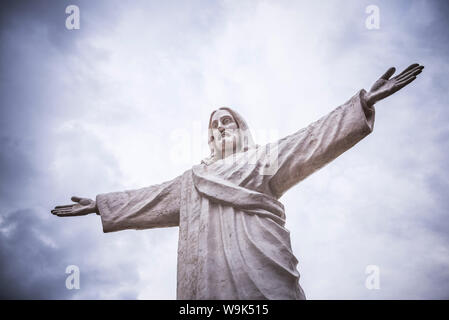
(103,108)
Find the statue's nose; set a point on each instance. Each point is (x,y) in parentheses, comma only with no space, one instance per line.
(220,128)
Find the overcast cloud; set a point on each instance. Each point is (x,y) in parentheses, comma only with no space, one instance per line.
(102,108)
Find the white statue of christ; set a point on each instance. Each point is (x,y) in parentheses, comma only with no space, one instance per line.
(232,239)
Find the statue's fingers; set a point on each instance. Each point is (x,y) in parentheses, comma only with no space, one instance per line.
(403,83)
(61,211)
(64,209)
(69,213)
(410,67)
(65,206)
(63,214)
(412,72)
(76,199)
(389,73)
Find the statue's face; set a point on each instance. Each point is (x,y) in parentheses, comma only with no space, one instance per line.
(225,132)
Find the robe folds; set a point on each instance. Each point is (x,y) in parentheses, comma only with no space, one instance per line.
(232,239)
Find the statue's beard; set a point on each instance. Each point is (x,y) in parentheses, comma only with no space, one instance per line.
(228,145)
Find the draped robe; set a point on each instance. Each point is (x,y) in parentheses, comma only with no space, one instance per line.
(232,239)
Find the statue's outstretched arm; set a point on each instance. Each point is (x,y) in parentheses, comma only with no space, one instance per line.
(156,206)
(311,148)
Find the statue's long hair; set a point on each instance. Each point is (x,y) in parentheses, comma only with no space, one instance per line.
(246,139)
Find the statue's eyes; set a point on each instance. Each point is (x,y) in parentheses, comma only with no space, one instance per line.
(226,120)
(214,124)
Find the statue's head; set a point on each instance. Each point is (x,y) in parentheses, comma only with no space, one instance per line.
(228,134)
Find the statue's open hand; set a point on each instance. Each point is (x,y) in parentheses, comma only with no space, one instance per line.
(82,207)
(385,86)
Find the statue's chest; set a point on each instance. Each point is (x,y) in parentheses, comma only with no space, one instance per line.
(246,174)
